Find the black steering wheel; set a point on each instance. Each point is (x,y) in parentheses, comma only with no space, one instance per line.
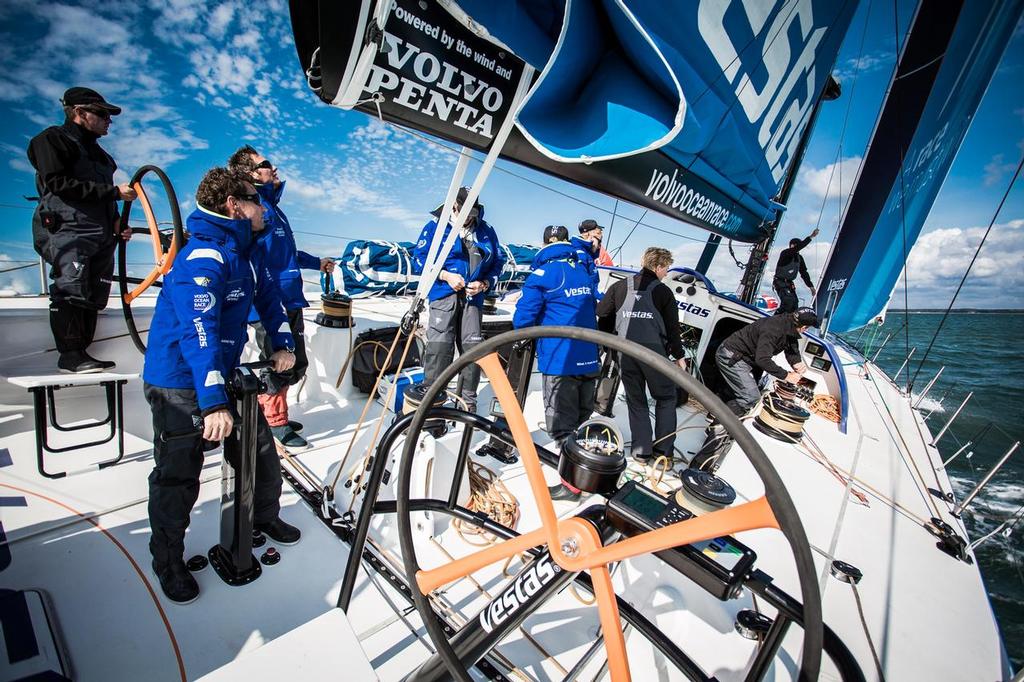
(164,249)
(774,510)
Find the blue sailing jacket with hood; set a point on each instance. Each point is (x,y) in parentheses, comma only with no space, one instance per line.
(585,256)
(490,266)
(280,254)
(199,327)
(559,291)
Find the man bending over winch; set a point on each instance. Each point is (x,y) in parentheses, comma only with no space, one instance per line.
(195,341)
(742,358)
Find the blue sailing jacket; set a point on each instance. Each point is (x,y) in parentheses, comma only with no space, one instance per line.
(280,254)
(585,256)
(559,291)
(199,326)
(490,266)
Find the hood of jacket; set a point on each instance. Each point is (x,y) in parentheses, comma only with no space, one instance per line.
(555,251)
(237,233)
(270,194)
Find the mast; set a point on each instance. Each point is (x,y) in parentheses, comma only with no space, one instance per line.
(752,274)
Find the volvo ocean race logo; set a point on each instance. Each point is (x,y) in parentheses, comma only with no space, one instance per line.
(528,583)
(776,85)
(668,190)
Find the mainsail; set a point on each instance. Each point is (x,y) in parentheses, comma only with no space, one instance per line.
(692,109)
(948,60)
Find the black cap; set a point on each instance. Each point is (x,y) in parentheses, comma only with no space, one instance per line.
(460,200)
(806,317)
(78,96)
(794,242)
(556,233)
(588,225)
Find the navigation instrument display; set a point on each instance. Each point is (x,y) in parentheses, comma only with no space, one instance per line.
(815,349)
(718,565)
(822,364)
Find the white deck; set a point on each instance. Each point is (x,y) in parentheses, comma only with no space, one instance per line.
(83,540)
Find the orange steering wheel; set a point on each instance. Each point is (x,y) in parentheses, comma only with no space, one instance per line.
(574,543)
(164,248)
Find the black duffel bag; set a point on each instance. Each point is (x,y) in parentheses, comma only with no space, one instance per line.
(371,350)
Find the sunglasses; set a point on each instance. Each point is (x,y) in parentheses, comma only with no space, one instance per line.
(265,163)
(252,198)
(99,113)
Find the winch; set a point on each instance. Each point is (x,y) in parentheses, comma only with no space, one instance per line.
(781,419)
(412,398)
(703,491)
(337,307)
(593,457)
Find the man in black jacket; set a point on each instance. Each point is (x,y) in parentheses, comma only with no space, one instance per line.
(790,264)
(74,225)
(642,309)
(752,348)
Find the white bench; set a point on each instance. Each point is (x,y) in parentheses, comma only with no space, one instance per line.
(42,388)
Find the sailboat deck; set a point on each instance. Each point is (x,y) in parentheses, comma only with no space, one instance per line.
(83,540)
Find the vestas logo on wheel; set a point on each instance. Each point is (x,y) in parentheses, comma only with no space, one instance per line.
(526,584)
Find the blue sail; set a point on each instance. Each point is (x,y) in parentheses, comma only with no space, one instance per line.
(951,53)
(691,109)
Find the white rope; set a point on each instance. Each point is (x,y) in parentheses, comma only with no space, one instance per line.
(435,262)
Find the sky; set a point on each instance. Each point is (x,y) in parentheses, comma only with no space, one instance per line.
(198,79)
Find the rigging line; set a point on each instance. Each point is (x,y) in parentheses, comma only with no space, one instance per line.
(905,453)
(506,171)
(611,226)
(974,258)
(19,267)
(616,252)
(31,208)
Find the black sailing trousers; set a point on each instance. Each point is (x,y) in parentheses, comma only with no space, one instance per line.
(637,379)
(82,265)
(174,481)
(788,301)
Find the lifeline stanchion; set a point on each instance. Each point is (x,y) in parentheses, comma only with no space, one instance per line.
(917,403)
(956,414)
(959,508)
(896,376)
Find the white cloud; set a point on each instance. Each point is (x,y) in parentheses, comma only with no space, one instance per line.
(834,180)
(997,169)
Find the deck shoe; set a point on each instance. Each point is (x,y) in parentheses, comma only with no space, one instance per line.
(176,581)
(77,362)
(288,438)
(280,532)
(561,492)
(641,457)
(294,425)
(105,364)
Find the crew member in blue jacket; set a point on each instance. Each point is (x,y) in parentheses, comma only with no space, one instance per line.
(588,247)
(195,341)
(469,271)
(276,246)
(560,292)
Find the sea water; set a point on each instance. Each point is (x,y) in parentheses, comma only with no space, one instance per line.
(981,352)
